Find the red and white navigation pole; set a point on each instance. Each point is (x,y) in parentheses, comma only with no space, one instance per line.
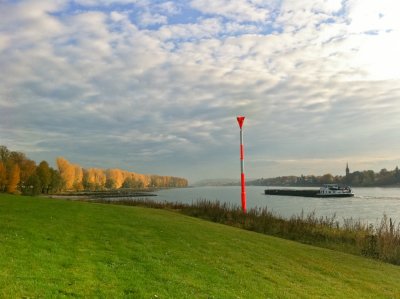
(240,120)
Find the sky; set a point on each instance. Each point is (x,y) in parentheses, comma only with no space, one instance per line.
(154,87)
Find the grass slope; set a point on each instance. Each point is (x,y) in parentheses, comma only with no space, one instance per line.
(57,248)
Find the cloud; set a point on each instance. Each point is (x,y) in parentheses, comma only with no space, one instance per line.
(372,16)
(150,19)
(100,85)
(109,2)
(240,10)
(169,7)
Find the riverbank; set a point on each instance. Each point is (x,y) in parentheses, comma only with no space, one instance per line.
(379,242)
(92,195)
(58,248)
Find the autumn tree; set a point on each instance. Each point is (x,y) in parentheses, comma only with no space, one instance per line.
(18,173)
(98,177)
(85,181)
(67,172)
(110,184)
(13,179)
(94,179)
(77,185)
(3,177)
(28,168)
(78,178)
(131,183)
(114,178)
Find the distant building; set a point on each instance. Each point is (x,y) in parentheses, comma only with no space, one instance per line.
(347,173)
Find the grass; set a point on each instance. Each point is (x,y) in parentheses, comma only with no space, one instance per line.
(379,242)
(58,248)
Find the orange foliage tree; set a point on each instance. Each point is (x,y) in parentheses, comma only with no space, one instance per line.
(3,177)
(27,168)
(13,179)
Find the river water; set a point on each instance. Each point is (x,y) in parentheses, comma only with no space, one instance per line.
(368,205)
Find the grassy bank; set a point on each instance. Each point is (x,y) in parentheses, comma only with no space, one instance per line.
(56,248)
(379,242)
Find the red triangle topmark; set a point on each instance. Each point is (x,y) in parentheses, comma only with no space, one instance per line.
(240,120)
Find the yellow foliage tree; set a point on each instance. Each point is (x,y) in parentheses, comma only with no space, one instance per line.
(78,177)
(96,177)
(67,172)
(116,176)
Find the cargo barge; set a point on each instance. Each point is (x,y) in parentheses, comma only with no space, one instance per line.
(327,190)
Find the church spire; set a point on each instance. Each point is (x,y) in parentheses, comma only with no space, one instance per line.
(347,169)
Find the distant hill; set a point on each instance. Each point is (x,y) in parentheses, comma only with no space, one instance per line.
(217,182)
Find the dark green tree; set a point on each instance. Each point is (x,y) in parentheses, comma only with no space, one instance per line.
(4,154)
(56,183)
(32,186)
(44,174)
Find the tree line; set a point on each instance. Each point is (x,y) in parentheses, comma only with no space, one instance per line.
(366,178)
(369,178)
(77,178)
(19,174)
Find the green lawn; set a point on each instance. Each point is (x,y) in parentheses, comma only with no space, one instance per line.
(58,248)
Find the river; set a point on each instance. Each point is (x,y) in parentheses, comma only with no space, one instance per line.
(368,205)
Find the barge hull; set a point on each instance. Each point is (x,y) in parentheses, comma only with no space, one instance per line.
(304,193)
(288,192)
